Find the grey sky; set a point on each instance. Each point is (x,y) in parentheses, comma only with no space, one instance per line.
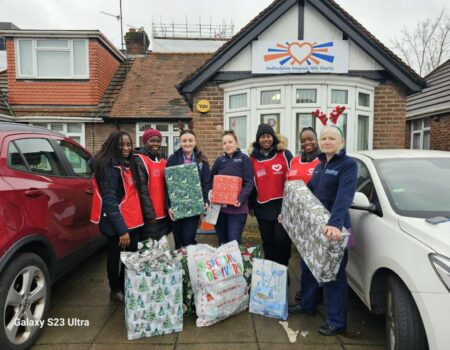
(384,18)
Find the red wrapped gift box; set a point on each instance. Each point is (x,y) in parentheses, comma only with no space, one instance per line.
(226,189)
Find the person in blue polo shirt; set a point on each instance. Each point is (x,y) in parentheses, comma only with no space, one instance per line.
(334,184)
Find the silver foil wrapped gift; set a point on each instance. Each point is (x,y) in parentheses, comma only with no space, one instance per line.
(304,217)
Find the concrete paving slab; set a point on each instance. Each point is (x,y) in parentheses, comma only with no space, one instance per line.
(297,346)
(268,330)
(93,292)
(92,318)
(238,327)
(114,332)
(62,347)
(130,347)
(363,347)
(215,346)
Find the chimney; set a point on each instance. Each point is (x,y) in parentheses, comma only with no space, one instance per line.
(136,41)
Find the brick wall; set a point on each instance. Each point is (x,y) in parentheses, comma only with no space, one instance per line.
(440,133)
(209,126)
(389,116)
(102,66)
(96,134)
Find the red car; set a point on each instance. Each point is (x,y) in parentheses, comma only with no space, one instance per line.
(45,202)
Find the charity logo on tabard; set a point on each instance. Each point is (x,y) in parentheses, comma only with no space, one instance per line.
(299,56)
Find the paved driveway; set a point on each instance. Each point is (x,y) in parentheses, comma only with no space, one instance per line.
(82,298)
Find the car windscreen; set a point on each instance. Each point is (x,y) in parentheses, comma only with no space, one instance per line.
(417,187)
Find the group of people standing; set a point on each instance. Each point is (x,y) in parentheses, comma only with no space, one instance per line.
(131,202)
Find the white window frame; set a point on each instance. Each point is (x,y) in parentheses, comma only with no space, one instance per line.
(289,108)
(306,87)
(170,134)
(35,48)
(367,92)
(81,135)
(350,96)
(248,136)
(293,134)
(271,88)
(370,140)
(421,132)
(237,92)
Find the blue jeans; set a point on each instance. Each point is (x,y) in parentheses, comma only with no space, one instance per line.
(229,227)
(184,231)
(335,294)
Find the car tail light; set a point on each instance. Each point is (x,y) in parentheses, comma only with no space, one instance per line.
(441,265)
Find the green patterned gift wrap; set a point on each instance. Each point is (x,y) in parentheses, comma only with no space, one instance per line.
(185,191)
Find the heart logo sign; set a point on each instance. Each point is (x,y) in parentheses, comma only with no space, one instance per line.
(277,167)
(300,52)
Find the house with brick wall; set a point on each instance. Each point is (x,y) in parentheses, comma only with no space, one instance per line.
(297,56)
(60,79)
(102,90)
(428,113)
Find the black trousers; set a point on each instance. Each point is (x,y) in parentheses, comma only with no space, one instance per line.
(184,231)
(114,267)
(276,241)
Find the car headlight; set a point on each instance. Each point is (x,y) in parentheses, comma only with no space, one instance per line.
(441,265)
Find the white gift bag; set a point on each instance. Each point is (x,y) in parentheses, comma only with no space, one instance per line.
(217,277)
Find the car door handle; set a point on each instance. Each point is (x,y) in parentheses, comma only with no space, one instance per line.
(89,191)
(34,193)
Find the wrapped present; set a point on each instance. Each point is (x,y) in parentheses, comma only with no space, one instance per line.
(248,253)
(304,218)
(153,291)
(268,296)
(226,189)
(185,190)
(217,277)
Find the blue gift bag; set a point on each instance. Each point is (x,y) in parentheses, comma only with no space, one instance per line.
(268,295)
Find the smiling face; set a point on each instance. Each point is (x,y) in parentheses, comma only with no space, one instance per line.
(125,146)
(308,141)
(153,144)
(265,141)
(229,144)
(187,142)
(330,142)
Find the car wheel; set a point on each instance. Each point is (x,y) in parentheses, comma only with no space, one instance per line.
(404,327)
(25,299)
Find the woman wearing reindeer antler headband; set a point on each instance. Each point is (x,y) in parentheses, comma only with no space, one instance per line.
(334,184)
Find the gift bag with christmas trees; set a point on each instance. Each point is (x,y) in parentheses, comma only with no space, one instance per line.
(153,291)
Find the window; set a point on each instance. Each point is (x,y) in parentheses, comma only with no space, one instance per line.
(238,101)
(2,44)
(77,158)
(239,125)
(304,120)
(170,136)
(273,120)
(271,97)
(363,99)
(363,133)
(420,136)
(15,159)
(52,58)
(74,131)
(306,96)
(339,97)
(39,157)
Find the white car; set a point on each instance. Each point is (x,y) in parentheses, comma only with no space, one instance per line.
(400,264)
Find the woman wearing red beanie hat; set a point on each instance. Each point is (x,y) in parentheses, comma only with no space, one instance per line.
(150,172)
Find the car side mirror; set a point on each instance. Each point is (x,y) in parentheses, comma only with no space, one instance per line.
(361,202)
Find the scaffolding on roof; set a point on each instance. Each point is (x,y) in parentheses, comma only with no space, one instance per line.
(192,31)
